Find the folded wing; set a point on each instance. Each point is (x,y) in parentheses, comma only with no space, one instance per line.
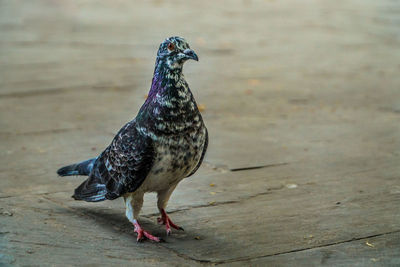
(121,167)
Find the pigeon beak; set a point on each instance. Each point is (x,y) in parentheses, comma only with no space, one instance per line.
(190,54)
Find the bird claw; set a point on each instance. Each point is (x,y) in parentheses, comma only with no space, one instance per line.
(142,234)
(165,220)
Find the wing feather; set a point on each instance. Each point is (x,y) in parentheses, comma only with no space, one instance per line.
(121,167)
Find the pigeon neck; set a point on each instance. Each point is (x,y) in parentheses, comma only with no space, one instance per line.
(165,80)
(168,90)
(164,76)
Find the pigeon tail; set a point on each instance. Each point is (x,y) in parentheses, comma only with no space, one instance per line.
(82,168)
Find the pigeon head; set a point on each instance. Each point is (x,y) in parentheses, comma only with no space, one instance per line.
(173,52)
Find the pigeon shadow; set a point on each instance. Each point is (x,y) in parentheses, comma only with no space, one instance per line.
(116,222)
(181,242)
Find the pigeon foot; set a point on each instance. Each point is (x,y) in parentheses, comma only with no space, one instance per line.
(142,234)
(165,220)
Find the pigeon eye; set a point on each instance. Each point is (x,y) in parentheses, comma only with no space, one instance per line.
(171,47)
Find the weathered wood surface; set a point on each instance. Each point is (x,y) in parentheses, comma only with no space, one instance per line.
(307,91)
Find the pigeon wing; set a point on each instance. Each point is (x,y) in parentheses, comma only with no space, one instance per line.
(121,167)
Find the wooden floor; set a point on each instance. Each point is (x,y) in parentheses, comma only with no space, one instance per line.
(302,103)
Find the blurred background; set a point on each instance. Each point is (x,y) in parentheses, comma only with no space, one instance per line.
(302,103)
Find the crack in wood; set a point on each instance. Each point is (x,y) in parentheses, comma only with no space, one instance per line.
(218,203)
(60,90)
(258,167)
(40,244)
(149,215)
(40,92)
(7,196)
(36,194)
(49,131)
(225,168)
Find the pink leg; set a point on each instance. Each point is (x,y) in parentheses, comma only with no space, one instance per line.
(167,222)
(142,234)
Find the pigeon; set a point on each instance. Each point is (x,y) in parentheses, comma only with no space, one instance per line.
(164,144)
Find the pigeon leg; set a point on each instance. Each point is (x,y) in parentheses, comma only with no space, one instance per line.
(167,222)
(133,204)
(163,197)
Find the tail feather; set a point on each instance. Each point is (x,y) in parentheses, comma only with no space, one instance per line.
(82,168)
